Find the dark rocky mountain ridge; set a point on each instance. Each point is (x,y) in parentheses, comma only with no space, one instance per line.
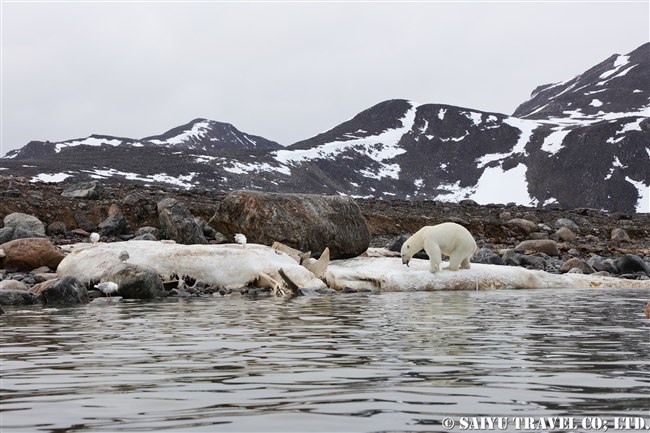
(581,143)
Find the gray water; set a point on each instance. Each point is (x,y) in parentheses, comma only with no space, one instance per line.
(363,362)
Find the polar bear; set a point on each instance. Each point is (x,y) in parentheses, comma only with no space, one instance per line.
(448,238)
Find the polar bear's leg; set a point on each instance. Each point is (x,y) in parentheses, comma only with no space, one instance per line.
(433,251)
(465,263)
(454,262)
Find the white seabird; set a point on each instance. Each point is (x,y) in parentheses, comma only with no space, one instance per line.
(240,239)
(107,287)
(94,238)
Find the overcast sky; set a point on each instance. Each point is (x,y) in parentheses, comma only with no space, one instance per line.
(287,70)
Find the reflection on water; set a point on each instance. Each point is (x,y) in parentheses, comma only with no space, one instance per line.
(398,361)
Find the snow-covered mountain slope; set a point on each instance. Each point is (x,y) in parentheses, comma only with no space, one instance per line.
(208,135)
(616,87)
(199,134)
(560,148)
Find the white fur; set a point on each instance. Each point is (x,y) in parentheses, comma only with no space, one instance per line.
(451,239)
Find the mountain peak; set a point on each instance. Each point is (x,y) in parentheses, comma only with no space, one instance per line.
(616,87)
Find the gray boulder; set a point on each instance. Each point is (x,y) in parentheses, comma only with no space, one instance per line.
(26,222)
(484,255)
(64,290)
(56,228)
(6,234)
(575,263)
(306,292)
(13,285)
(629,263)
(145,237)
(565,222)
(512,258)
(89,190)
(18,297)
(533,261)
(306,222)
(26,234)
(601,265)
(114,225)
(178,223)
(620,235)
(84,223)
(155,232)
(134,281)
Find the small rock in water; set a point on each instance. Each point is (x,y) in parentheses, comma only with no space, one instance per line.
(306,292)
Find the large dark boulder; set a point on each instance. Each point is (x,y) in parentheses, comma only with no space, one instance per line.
(65,290)
(114,224)
(486,256)
(18,297)
(629,263)
(178,223)
(134,281)
(305,222)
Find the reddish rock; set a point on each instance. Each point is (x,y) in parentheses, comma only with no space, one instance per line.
(565,234)
(31,253)
(525,226)
(545,246)
(647,310)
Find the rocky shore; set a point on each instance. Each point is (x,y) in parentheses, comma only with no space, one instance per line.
(555,240)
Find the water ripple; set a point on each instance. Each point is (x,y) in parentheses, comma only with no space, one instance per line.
(390,362)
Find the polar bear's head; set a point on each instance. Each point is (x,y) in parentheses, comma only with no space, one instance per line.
(407,252)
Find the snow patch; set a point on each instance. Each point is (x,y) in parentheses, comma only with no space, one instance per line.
(386,170)
(526,128)
(618,63)
(553,143)
(90,141)
(181,181)
(418,183)
(549,201)
(498,186)
(632,126)
(50,178)
(441,113)
(241,168)
(453,192)
(197,131)
(596,103)
(456,139)
(473,116)
(643,202)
